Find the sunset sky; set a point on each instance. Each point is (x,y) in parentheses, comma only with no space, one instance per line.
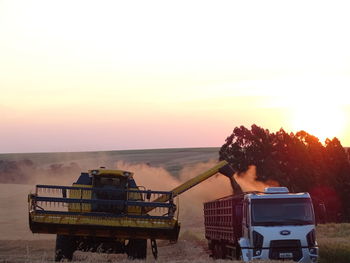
(112,75)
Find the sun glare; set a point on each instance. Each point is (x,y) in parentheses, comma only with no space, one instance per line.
(323,121)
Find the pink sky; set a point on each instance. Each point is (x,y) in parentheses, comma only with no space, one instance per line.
(86,75)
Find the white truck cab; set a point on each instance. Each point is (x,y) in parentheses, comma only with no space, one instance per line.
(278,225)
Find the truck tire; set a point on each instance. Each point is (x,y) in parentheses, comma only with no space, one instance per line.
(137,249)
(219,251)
(65,247)
(239,255)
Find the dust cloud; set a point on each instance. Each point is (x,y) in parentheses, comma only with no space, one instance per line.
(248,180)
(190,202)
(58,168)
(191,206)
(150,177)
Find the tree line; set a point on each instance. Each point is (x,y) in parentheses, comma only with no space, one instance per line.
(298,161)
(27,172)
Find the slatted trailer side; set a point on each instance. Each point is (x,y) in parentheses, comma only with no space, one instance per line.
(223,225)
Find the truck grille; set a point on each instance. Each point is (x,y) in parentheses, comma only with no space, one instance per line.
(285,249)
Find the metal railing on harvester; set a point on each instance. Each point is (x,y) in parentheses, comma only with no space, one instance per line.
(52,199)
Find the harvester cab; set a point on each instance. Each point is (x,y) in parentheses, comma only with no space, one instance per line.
(111,185)
(105,211)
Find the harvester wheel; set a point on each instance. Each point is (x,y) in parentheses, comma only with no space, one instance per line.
(137,249)
(65,247)
(154,248)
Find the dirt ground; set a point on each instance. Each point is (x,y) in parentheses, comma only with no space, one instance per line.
(14,251)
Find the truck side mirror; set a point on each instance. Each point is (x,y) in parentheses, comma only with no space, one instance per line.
(322,213)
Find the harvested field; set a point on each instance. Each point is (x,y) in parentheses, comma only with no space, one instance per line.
(18,244)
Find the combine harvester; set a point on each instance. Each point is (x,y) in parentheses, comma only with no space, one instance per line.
(106,212)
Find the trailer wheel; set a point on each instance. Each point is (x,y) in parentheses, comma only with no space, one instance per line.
(219,252)
(65,247)
(137,249)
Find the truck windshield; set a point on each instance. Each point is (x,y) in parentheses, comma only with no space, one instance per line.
(284,211)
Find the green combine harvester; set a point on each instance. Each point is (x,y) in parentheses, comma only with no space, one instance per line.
(105,211)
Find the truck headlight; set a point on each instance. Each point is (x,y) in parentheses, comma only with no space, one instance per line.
(311,238)
(258,241)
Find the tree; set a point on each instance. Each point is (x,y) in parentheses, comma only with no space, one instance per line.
(339,172)
(298,161)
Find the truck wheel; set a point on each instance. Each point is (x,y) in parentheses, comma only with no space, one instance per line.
(65,247)
(239,255)
(137,249)
(219,252)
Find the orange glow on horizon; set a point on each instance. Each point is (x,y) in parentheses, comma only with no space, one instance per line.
(322,121)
